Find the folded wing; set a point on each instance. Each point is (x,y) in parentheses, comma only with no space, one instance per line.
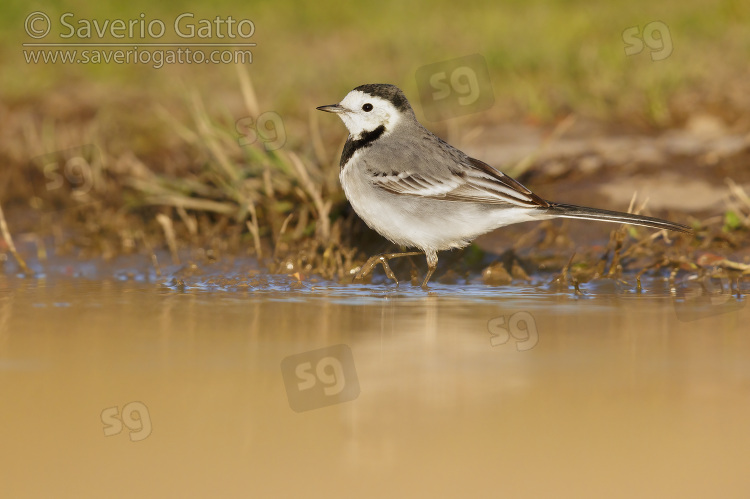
(472,181)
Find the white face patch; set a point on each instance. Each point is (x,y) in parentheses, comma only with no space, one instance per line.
(358,120)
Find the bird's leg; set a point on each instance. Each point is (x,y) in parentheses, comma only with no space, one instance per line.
(382,259)
(432,260)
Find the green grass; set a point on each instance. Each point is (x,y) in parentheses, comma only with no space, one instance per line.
(545,58)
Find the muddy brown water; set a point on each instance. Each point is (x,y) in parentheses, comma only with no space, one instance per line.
(119,383)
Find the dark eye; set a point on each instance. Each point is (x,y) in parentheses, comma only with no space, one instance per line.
(367,107)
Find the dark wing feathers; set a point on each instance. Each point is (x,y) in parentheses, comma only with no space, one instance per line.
(471,180)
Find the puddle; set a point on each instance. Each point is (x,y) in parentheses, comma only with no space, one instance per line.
(219,382)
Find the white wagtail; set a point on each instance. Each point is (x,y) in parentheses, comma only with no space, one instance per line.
(419,191)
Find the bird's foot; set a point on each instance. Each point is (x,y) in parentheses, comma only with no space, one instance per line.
(430,271)
(383,260)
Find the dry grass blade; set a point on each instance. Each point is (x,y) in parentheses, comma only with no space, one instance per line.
(167,226)
(190,222)
(323,208)
(140,234)
(248,92)
(252,226)
(206,130)
(742,199)
(191,203)
(739,192)
(9,240)
(282,231)
(317,141)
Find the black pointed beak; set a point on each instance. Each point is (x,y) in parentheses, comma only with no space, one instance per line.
(333,108)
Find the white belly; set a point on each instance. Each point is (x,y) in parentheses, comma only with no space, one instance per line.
(424,223)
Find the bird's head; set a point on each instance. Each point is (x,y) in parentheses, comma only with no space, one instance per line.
(368,107)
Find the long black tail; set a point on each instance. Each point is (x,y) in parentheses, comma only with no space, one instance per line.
(572,211)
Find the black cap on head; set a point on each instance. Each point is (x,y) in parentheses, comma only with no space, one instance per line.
(389,92)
